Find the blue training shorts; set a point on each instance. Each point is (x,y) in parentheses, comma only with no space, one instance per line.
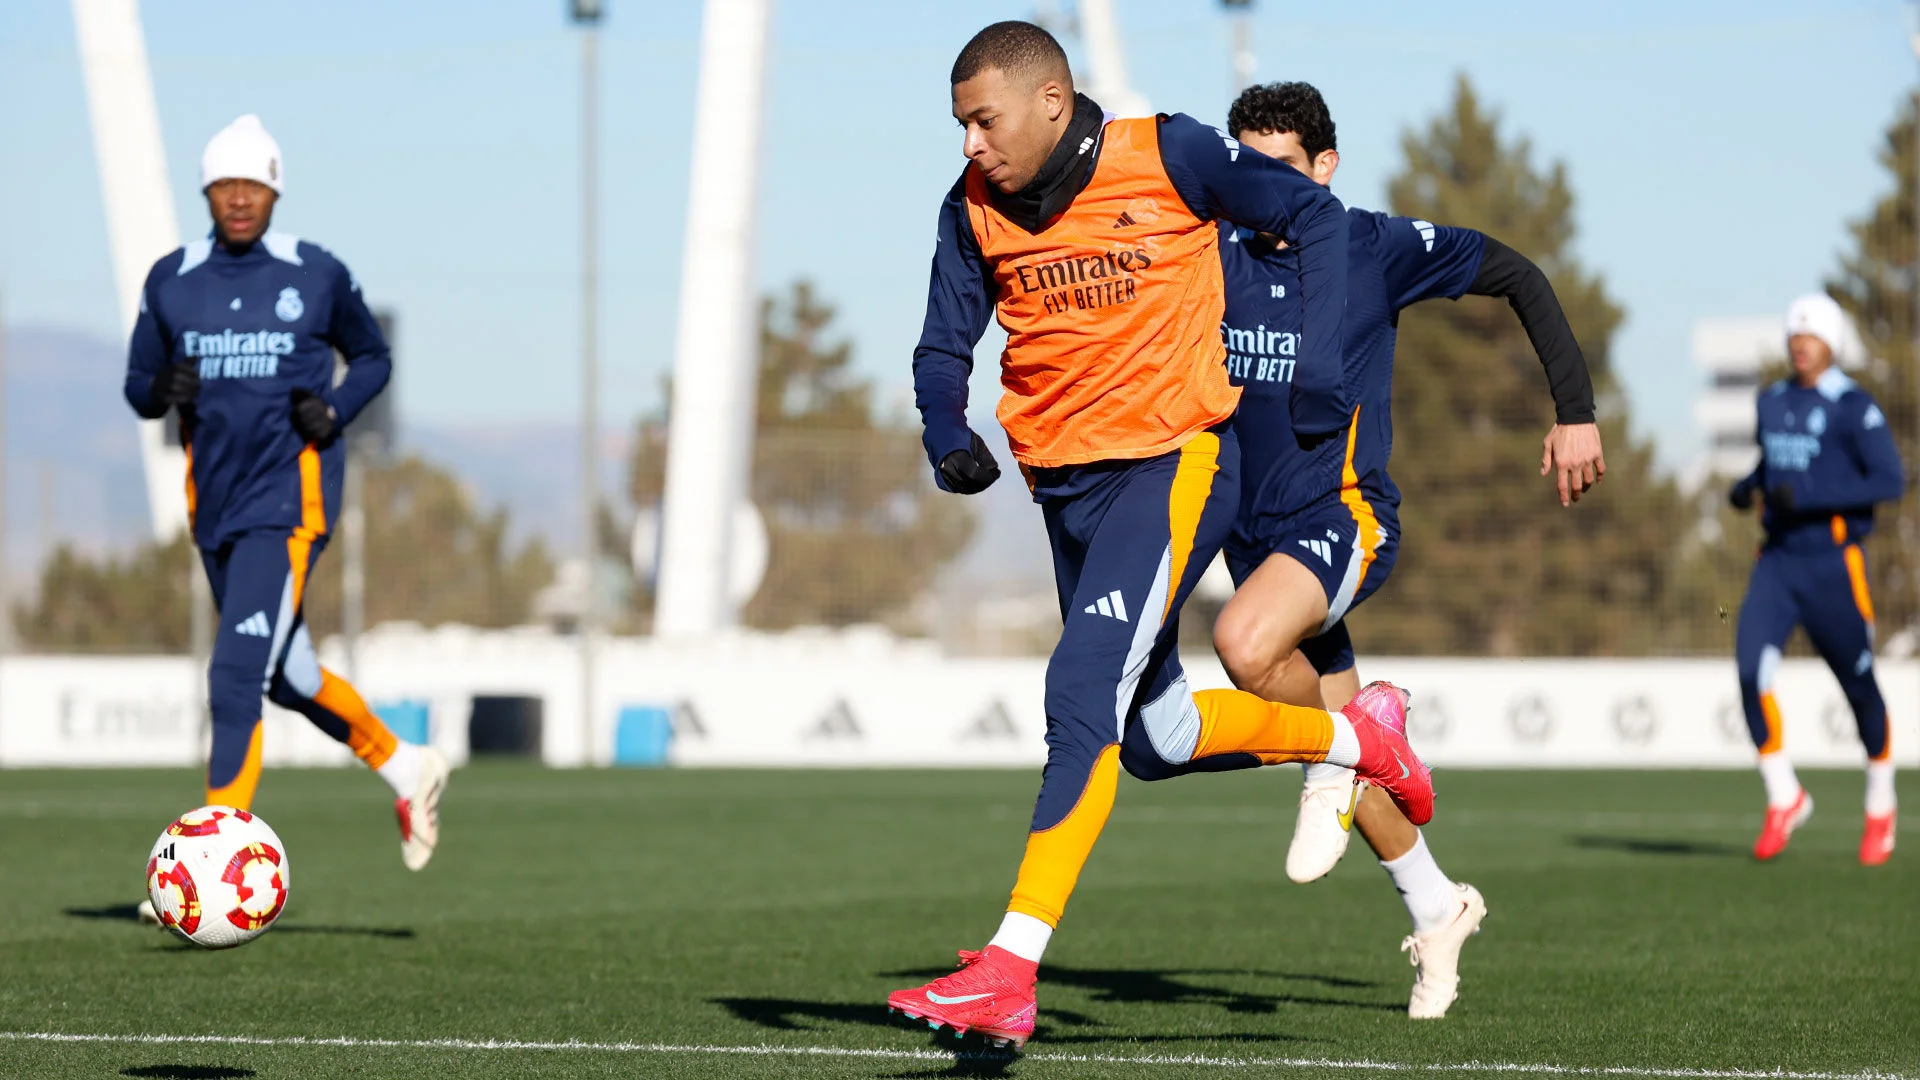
(1348,544)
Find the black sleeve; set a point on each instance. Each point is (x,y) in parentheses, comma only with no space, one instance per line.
(1507,273)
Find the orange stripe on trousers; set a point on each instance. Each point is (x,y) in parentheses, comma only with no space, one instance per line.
(313,523)
(367,735)
(238,792)
(1770,712)
(1236,722)
(193,490)
(1364,519)
(1055,856)
(1857,576)
(1186,502)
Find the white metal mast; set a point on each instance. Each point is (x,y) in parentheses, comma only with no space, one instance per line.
(141,224)
(1107,60)
(716,353)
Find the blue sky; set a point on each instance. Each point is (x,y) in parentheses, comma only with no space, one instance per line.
(1716,150)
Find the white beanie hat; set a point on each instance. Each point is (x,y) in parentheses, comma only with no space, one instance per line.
(243,151)
(1819,315)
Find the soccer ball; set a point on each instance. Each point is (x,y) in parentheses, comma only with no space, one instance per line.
(218,877)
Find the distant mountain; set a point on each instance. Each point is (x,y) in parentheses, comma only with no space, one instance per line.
(71,449)
(72,454)
(72,469)
(531,469)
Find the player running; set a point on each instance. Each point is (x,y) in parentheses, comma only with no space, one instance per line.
(1093,240)
(1319,525)
(237,332)
(1826,456)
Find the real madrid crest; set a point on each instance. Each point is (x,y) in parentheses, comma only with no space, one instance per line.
(289,307)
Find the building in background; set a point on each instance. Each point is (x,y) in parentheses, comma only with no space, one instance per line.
(1730,352)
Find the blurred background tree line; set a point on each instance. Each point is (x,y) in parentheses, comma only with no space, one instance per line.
(433,557)
(1490,563)
(856,531)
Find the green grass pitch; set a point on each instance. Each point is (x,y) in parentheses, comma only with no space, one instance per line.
(685,922)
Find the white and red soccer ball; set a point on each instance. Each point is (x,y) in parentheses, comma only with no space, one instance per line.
(218,877)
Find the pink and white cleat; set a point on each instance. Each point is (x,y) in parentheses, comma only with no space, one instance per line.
(420,814)
(992,995)
(1876,841)
(1379,717)
(1779,825)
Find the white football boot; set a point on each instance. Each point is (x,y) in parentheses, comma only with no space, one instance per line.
(420,813)
(1436,956)
(1325,825)
(146,915)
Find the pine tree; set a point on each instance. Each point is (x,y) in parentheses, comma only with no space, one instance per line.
(1877,284)
(1490,562)
(138,603)
(433,557)
(856,530)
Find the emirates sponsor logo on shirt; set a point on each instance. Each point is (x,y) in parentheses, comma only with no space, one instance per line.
(1260,354)
(230,354)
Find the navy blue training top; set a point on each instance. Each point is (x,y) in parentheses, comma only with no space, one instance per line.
(258,325)
(1392,262)
(1829,446)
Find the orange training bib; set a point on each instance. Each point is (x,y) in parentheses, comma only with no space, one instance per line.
(1112,313)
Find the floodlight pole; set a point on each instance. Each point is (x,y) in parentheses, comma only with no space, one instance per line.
(1242,13)
(587,15)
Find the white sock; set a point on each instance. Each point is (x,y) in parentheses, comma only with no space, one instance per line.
(1880,800)
(1429,894)
(1783,787)
(1345,750)
(1023,935)
(402,770)
(1320,772)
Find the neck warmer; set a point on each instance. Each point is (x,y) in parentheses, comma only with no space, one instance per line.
(1064,174)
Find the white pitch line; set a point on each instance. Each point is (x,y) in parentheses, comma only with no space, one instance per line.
(768,1050)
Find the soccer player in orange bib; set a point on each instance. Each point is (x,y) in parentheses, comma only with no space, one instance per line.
(1093,240)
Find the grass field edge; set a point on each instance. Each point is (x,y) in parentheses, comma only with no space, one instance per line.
(900,1054)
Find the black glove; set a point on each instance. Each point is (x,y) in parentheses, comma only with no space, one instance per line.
(1740,497)
(313,418)
(1780,498)
(174,384)
(970,471)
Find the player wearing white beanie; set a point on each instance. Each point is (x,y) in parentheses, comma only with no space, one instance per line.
(1827,457)
(243,151)
(1817,314)
(237,335)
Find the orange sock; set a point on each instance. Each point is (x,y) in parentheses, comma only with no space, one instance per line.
(238,793)
(1236,722)
(367,735)
(1054,857)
